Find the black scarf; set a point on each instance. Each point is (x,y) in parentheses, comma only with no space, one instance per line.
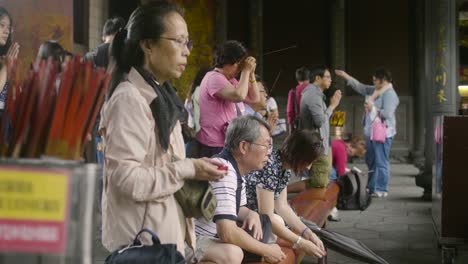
(167,108)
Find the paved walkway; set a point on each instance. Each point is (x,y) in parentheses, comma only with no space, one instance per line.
(398,228)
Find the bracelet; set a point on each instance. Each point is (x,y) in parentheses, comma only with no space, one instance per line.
(303,231)
(253,81)
(297,242)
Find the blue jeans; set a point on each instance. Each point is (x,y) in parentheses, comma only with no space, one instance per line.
(98,148)
(378,162)
(333,175)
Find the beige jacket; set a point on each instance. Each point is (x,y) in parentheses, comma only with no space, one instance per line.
(137,172)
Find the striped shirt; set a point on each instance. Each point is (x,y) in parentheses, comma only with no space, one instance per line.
(225,191)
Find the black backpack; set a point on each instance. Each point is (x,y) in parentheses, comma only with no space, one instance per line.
(353,194)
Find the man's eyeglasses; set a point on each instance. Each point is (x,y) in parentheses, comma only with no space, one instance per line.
(268,147)
(182,42)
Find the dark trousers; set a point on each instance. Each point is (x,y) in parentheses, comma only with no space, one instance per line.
(205,151)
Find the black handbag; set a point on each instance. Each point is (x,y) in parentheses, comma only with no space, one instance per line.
(137,253)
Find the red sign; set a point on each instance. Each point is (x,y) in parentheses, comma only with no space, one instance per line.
(32,236)
(33,210)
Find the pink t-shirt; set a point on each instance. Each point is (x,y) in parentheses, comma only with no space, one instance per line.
(215,112)
(339,156)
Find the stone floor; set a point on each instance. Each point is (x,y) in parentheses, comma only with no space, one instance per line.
(398,228)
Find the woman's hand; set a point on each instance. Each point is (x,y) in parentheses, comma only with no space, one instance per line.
(252,222)
(311,249)
(208,170)
(309,235)
(13,51)
(369,105)
(249,65)
(342,74)
(272,119)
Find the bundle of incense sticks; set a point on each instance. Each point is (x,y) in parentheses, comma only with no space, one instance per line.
(51,112)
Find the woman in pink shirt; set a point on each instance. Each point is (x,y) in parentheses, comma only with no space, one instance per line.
(221,95)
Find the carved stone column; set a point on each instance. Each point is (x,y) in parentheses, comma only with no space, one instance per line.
(256,32)
(441,75)
(221,21)
(338,40)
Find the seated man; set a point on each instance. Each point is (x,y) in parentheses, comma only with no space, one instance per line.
(247,146)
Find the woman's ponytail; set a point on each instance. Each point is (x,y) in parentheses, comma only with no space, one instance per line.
(119,63)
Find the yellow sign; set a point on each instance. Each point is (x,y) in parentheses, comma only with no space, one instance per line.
(33,195)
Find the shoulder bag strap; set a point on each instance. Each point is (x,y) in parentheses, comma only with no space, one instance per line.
(144,216)
(296,108)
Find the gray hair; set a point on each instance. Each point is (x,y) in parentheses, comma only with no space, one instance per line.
(244,128)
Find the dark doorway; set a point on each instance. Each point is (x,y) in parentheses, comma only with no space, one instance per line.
(376,38)
(238,21)
(122,8)
(81,17)
(303,24)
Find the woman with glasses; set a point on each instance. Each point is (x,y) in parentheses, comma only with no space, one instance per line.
(267,193)
(8,51)
(144,154)
(222,95)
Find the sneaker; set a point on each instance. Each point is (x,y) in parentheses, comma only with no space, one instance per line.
(334,215)
(379,194)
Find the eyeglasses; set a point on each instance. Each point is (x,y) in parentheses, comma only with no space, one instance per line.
(182,42)
(268,147)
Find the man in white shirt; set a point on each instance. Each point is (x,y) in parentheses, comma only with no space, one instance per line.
(247,146)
